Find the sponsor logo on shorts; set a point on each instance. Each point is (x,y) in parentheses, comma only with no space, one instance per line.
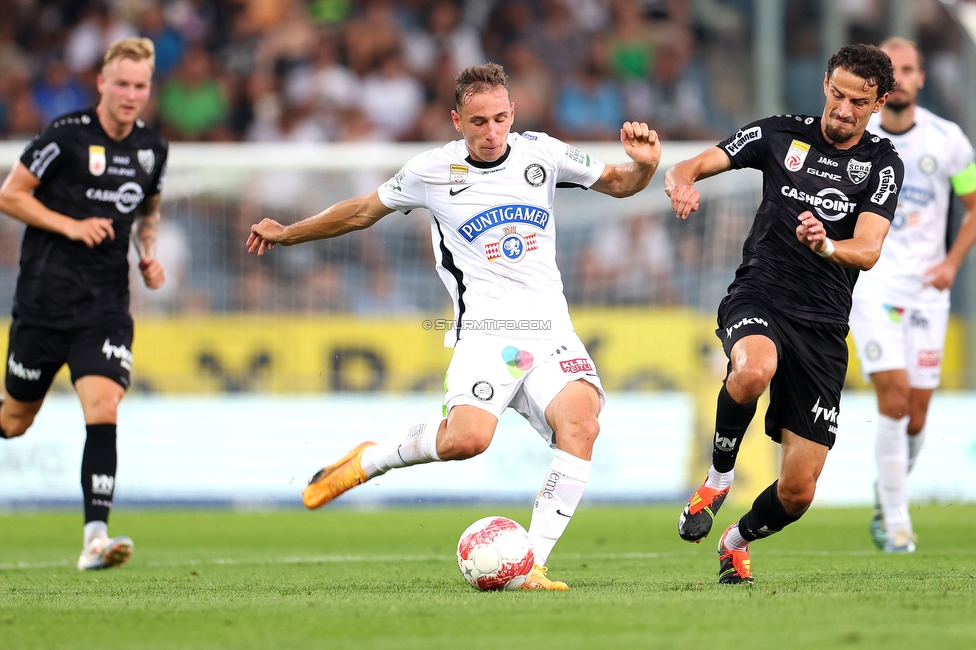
(574,366)
(120,352)
(872,351)
(517,361)
(483,391)
(18,370)
(102,484)
(829,415)
(745,321)
(919,320)
(929,358)
(894,313)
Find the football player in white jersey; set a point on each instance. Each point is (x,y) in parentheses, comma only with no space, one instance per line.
(490,196)
(901,306)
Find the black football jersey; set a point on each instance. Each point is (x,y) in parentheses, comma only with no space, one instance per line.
(85,173)
(802,171)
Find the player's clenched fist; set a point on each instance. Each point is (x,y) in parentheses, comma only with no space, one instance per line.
(264,236)
(811,232)
(684,200)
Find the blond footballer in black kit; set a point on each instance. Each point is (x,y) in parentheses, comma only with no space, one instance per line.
(80,186)
(829,194)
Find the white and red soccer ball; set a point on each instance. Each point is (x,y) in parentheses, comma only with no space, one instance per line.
(494,553)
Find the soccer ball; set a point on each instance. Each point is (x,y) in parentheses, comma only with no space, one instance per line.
(494,553)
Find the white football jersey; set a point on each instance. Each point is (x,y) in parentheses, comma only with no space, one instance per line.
(494,230)
(934,150)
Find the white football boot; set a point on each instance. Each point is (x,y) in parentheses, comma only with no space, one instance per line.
(105,553)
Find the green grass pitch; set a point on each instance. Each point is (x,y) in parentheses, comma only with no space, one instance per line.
(341,578)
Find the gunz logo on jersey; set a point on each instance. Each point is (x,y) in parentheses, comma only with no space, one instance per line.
(459,174)
(796,155)
(512,246)
(147,160)
(857,171)
(830,203)
(96,160)
(886,185)
(502,215)
(126,198)
(742,138)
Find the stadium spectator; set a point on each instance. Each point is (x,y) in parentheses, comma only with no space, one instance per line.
(560,395)
(901,306)
(631,42)
(59,92)
(72,296)
(330,86)
(99,26)
(391,97)
(560,44)
(531,85)
(192,104)
(169,42)
(590,103)
(445,34)
(793,341)
(371,36)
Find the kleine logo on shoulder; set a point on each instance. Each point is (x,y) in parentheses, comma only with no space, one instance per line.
(574,366)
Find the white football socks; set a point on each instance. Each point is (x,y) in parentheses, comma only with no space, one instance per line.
(417,447)
(95,530)
(719,480)
(915,444)
(554,507)
(734,541)
(891,454)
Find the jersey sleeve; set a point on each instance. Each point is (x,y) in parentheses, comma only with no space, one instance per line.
(962,168)
(574,168)
(883,185)
(44,154)
(407,189)
(160,176)
(747,147)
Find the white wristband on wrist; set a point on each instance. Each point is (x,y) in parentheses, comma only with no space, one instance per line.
(828,250)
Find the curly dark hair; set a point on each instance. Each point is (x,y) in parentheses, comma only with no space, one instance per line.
(867,62)
(476,79)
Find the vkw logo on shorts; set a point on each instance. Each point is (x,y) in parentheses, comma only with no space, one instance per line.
(857,171)
(535,175)
(483,391)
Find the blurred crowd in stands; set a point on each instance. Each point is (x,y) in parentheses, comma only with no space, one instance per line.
(383,70)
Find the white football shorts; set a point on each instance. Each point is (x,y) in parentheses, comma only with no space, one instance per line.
(896,338)
(495,372)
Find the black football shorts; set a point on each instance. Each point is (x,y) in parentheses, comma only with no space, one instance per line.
(35,355)
(804,394)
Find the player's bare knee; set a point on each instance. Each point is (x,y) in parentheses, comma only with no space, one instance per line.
(796,496)
(748,382)
(466,443)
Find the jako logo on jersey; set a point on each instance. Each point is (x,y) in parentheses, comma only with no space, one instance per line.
(96,160)
(857,171)
(503,215)
(102,484)
(742,138)
(839,207)
(827,161)
(17,369)
(828,416)
(43,158)
(120,352)
(886,185)
(796,155)
(745,321)
(126,198)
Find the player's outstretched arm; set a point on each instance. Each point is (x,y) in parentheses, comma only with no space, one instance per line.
(345,216)
(943,276)
(644,149)
(679,180)
(859,252)
(146,234)
(17,200)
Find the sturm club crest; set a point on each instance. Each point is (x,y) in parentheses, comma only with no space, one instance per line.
(512,246)
(796,155)
(927,164)
(147,160)
(857,171)
(483,391)
(535,175)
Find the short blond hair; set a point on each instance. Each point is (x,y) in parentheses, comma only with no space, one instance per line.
(897,41)
(135,48)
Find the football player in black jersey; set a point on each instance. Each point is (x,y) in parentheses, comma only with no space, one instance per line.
(829,195)
(80,186)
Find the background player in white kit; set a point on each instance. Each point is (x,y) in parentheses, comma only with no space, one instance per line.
(901,306)
(490,196)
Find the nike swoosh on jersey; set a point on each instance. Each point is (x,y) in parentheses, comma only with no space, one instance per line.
(456,192)
(562,514)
